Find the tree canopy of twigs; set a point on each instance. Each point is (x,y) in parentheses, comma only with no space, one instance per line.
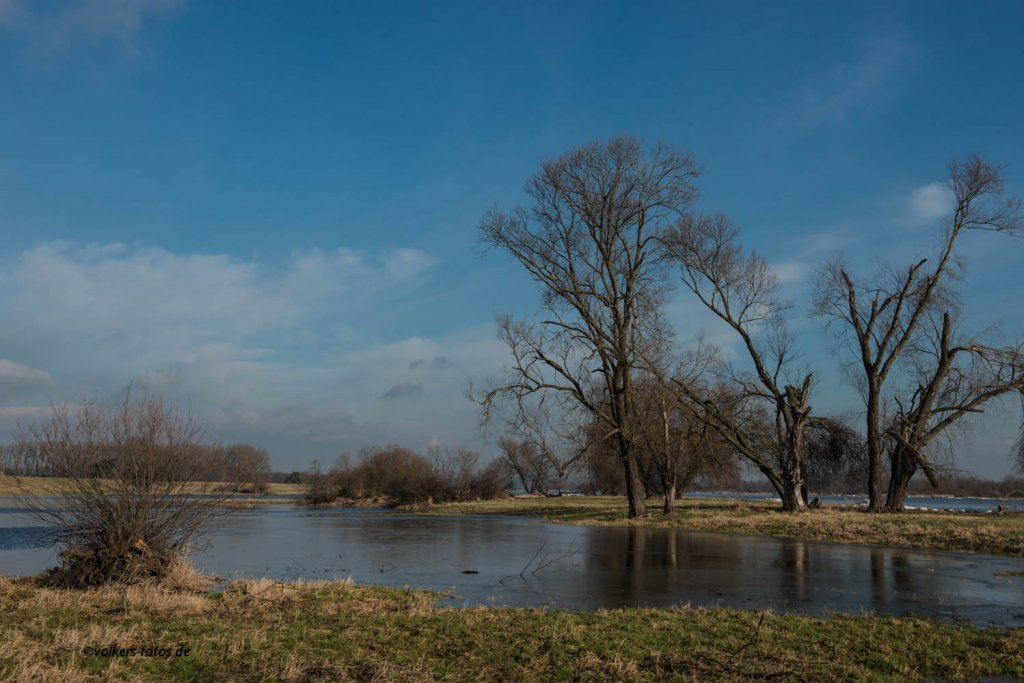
(123,509)
(591,239)
(918,375)
(763,413)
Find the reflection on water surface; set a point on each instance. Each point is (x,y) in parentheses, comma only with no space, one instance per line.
(519,562)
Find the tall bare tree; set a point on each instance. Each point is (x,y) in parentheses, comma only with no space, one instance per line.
(591,239)
(741,290)
(952,379)
(880,318)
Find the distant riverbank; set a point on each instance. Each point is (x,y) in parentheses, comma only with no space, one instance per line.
(958,531)
(739,513)
(239,494)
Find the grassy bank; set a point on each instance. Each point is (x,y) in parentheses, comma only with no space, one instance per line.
(966,532)
(327,631)
(45,486)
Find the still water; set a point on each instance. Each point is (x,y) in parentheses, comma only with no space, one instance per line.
(515,561)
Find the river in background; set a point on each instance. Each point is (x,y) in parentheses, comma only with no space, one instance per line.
(519,562)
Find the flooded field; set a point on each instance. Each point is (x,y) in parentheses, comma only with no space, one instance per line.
(515,561)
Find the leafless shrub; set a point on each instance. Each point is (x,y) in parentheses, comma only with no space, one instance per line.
(122,509)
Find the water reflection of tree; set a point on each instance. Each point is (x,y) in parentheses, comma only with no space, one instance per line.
(898,577)
(633,563)
(796,563)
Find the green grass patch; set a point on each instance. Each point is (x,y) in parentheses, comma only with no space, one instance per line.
(266,631)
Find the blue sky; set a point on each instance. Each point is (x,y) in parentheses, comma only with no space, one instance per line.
(270,210)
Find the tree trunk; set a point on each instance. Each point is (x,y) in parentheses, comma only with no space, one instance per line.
(874,454)
(670,498)
(786,492)
(634,484)
(792,495)
(796,411)
(904,466)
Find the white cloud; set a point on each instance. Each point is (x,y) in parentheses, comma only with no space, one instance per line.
(65,25)
(15,376)
(117,22)
(13,13)
(405,264)
(790,271)
(863,84)
(930,202)
(254,349)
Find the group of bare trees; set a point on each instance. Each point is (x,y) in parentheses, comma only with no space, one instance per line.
(21,460)
(394,475)
(239,467)
(674,448)
(610,231)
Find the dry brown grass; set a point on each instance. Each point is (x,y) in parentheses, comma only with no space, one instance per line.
(43,486)
(262,629)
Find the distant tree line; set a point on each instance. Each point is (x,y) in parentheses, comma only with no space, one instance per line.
(239,467)
(393,475)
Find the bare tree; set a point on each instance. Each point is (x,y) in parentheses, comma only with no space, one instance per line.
(951,380)
(123,510)
(879,317)
(531,468)
(456,468)
(763,413)
(554,431)
(250,465)
(240,467)
(591,240)
(681,446)
(19,459)
(1018,449)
